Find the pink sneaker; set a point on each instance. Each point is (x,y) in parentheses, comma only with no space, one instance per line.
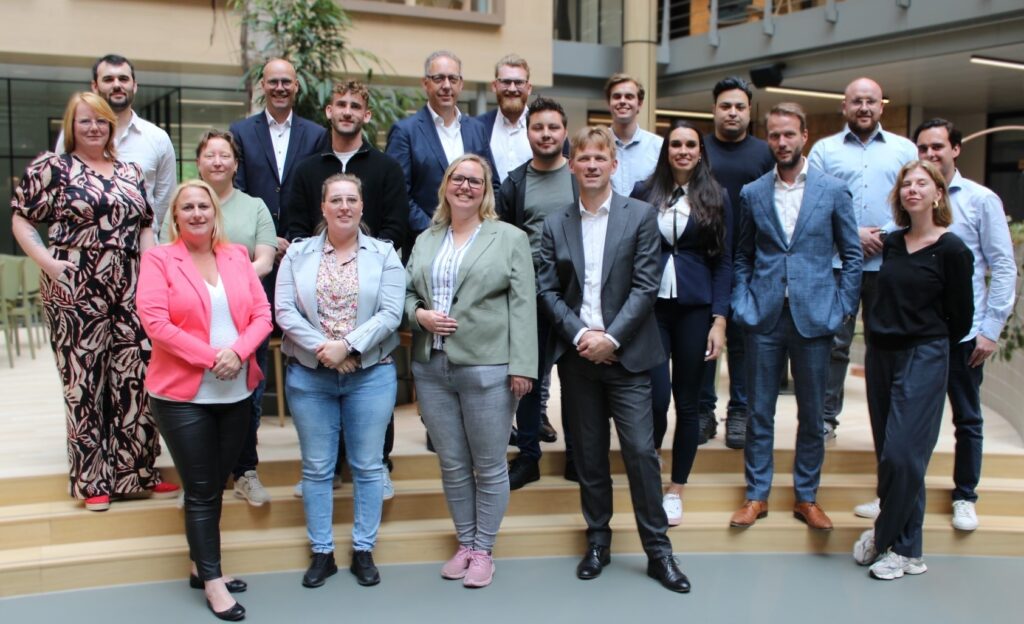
(456,567)
(480,571)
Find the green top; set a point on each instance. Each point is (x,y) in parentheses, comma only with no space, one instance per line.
(247,221)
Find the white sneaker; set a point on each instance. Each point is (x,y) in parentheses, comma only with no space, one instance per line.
(297,492)
(868,510)
(335,484)
(389,487)
(864,552)
(248,486)
(892,566)
(965,518)
(673,506)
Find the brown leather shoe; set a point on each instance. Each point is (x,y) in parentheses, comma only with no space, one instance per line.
(749,513)
(813,516)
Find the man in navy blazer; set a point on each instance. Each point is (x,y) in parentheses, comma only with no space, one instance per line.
(272,142)
(436,135)
(789,303)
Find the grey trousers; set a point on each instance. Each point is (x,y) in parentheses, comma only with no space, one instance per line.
(468,413)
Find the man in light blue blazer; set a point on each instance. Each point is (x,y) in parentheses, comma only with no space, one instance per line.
(789,303)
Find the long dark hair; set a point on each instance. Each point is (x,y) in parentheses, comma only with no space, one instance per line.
(703,193)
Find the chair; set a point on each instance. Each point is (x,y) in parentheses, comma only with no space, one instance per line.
(31,281)
(15,305)
(5,323)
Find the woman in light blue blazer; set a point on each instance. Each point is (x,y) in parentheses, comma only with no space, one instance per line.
(339,301)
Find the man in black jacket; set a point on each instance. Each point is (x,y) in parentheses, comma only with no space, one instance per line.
(385,203)
(528,195)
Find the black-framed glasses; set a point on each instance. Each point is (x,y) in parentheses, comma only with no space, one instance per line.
(440,78)
(508,83)
(474,183)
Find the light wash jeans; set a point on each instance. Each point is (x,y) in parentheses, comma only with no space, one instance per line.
(468,413)
(323,402)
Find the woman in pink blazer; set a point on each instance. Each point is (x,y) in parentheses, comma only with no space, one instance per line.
(205,312)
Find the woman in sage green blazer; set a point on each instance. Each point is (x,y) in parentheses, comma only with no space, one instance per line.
(471,304)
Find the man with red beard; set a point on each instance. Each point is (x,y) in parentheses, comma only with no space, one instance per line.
(507,123)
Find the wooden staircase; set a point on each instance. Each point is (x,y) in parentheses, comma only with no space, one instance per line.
(49,542)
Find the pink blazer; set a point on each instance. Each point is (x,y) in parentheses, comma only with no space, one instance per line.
(174,307)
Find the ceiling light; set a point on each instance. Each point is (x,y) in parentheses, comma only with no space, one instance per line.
(994,62)
(828,95)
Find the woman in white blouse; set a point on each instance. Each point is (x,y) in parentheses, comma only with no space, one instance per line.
(694,217)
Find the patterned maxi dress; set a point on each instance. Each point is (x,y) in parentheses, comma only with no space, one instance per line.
(101,350)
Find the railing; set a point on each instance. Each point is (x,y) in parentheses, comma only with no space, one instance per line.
(588,21)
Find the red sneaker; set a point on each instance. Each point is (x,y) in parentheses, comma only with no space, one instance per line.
(165,490)
(98,503)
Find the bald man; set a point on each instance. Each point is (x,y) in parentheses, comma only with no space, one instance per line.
(271,143)
(867,158)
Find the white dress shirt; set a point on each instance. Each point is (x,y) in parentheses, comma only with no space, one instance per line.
(450,136)
(280,134)
(788,198)
(672,220)
(510,145)
(594,229)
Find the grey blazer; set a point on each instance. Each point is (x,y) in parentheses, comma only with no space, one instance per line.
(379,311)
(629,281)
(765,265)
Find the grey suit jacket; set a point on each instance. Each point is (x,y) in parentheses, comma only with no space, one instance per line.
(765,265)
(379,308)
(629,281)
(494,302)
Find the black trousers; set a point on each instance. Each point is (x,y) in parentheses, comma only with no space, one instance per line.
(906,393)
(593,393)
(204,440)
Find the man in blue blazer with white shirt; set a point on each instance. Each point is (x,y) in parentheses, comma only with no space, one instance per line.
(436,135)
(789,303)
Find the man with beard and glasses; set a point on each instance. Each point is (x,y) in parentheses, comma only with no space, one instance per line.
(790,305)
(867,158)
(506,124)
(136,140)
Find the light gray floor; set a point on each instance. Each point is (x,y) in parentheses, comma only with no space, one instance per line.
(727,588)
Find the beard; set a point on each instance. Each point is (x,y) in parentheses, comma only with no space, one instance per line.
(124,104)
(512,106)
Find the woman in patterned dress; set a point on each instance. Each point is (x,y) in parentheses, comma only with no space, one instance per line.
(99,223)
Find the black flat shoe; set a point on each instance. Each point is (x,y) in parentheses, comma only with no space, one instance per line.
(666,571)
(363,568)
(595,559)
(234,614)
(235,586)
(321,567)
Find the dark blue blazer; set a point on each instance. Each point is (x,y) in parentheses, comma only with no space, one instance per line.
(257,171)
(487,119)
(414,143)
(769,271)
(700,280)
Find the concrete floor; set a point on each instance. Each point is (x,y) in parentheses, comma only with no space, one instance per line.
(763,588)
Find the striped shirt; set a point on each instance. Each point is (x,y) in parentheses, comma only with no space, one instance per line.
(444,275)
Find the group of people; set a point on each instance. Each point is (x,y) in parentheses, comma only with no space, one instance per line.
(506,247)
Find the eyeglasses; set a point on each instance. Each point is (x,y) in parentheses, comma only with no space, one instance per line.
(507,83)
(85,124)
(474,183)
(440,78)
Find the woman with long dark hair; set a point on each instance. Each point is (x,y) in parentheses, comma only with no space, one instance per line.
(694,218)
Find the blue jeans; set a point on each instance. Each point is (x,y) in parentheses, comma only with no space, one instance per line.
(322,402)
(766,357)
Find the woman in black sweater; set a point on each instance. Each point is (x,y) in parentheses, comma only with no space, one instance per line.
(695,221)
(924,302)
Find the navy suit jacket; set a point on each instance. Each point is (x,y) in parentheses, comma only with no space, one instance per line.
(257,171)
(487,119)
(766,265)
(414,143)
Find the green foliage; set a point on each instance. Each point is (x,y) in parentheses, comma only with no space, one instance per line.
(312,35)
(1012,338)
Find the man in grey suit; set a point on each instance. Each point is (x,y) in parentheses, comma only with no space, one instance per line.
(597,282)
(789,303)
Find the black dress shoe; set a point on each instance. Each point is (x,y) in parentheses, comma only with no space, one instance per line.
(235,586)
(321,567)
(707,425)
(666,571)
(570,472)
(513,437)
(233,614)
(362,567)
(547,433)
(522,470)
(594,560)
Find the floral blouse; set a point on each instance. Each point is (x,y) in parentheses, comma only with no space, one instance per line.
(85,209)
(337,293)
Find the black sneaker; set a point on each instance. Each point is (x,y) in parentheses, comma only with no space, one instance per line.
(522,470)
(708,425)
(736,431)
(363,568)
(321,567)
(547,433)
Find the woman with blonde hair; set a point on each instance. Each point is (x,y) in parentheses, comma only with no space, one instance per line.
(471,303)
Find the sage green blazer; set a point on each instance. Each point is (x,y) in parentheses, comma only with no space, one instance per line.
(495,300)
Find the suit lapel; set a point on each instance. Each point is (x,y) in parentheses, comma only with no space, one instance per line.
(230,275)
(807,205)
(431,240)
(488,234)
(768,206)
(429,134)
(618,217)
(263,135)
(572,228)
(294,143)
(191,274)
(307,266)
(368,267)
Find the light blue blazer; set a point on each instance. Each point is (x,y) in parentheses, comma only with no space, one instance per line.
(765,266)
(379,311)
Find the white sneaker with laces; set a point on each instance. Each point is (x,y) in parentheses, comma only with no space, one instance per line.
(389,487)
(673,506)
(892,566)
(965,517)
(868,510)
(864,552)
(248,487)
(914,565)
